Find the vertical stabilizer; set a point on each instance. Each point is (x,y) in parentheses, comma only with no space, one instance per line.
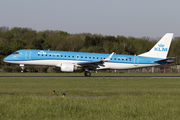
(160,50)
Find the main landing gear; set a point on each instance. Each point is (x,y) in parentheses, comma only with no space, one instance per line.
(87,73)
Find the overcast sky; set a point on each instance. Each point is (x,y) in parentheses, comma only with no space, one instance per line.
(137,18)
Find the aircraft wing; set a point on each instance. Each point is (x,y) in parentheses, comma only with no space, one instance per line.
(94,64)
(91,64)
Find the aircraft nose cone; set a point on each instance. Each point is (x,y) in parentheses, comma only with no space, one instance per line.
(6,59)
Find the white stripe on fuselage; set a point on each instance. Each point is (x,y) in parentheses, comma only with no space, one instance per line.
(106,65)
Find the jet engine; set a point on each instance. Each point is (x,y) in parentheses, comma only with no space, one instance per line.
(69,67)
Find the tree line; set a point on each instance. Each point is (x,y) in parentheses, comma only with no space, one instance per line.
(26,38)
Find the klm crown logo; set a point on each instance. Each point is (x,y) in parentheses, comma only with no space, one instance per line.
(161,48)
(161,45)
(41,52)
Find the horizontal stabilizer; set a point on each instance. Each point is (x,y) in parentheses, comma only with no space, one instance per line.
(168,60)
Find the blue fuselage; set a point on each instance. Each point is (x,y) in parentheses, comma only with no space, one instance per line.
(52,58)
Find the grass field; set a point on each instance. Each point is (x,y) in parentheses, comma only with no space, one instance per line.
(92,98)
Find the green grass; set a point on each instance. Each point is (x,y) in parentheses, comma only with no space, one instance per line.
(92,98)
(92,74)
(123,107)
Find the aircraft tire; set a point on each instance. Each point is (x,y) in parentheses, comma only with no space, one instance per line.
(87,74)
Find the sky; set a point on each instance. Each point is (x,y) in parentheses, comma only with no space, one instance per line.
(137,18)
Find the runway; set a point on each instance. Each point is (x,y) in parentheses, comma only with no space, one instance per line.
(71,77)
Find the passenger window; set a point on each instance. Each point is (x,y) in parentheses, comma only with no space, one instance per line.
(42,54)
(61,56)
(53,55)
(97,58)
(57,55)
(89,57)
(122,59)
(50,55)
(104,58)
(85,57)
(73,56)
(65,56)
(46,54)
(126,59)
(114,58)
(77,56)
(118,58)
(68,56)
(111,58)
(38,54)
(101,57)
(93,57)
(81,56)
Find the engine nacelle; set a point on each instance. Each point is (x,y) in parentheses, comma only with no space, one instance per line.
(69,67)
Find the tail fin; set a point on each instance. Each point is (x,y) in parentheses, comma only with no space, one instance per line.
(160,50)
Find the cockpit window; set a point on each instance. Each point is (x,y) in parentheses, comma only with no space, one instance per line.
(17,53)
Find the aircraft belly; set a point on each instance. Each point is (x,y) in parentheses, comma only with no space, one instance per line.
(31,62)
(42,62)
(127,66)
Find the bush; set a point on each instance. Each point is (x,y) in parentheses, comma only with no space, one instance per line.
(8,69)
(30,69)
(56,70)
(17,69)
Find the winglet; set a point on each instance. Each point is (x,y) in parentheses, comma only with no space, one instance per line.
(108,58)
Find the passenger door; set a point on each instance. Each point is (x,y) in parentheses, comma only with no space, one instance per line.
(136,60)
(28,54)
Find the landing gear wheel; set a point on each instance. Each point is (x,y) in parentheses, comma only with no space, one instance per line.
(22,67)
(87,74)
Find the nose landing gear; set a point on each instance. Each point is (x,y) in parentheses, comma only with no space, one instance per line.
(22,67)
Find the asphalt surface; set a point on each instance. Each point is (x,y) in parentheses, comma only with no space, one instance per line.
(89,77)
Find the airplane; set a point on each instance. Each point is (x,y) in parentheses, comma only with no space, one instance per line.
(74,61)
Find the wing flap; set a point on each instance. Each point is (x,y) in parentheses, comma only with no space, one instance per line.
(91,62)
